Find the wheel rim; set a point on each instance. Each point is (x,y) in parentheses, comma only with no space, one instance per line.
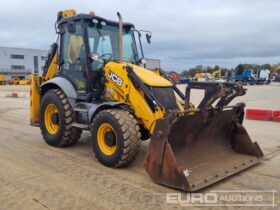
(102,134)
(51,125)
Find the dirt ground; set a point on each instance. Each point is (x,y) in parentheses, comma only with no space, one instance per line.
(36,176)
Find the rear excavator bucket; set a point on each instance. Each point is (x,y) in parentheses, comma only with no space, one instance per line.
(193,149)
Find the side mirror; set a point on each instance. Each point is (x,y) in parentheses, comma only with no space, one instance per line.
(94,57)
(148,37)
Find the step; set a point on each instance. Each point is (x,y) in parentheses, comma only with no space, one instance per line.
(82,126)
(80,110)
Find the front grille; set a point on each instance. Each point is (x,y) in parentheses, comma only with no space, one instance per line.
(165,96)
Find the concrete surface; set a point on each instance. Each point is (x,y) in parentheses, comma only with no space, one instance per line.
(36,176)
(261,97)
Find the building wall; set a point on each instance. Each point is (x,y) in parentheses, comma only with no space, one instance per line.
(21,62)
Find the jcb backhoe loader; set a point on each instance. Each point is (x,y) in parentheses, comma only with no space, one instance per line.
(93,80)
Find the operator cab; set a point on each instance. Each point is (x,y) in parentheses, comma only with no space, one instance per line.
(87,43)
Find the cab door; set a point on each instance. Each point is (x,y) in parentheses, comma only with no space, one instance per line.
(73,55)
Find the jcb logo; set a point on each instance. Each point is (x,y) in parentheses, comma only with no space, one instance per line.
(115,78)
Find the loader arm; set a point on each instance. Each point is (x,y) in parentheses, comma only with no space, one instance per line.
(132,85)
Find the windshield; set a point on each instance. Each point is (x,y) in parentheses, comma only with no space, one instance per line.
(104,41)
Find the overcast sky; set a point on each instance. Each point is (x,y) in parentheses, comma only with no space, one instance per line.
(185,33)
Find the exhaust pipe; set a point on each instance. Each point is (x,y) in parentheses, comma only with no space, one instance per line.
(120,37)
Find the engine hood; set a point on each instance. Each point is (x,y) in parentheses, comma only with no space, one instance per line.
(149,77)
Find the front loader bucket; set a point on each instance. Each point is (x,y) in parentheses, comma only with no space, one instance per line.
(195,150)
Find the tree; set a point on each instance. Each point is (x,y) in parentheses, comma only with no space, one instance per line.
(276,68)
(266,66)
(199,68)
(216,68)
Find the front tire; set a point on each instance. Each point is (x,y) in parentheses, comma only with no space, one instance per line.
(116,137)
(56,117)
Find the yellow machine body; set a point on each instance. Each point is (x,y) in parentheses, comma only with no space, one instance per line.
(190,148)
(128,94)
(52,68)
(2,79)
(35,81)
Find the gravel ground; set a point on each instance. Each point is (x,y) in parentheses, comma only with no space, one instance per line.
(36,176)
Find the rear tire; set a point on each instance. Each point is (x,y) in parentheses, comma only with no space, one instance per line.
(61,133)
(126,143)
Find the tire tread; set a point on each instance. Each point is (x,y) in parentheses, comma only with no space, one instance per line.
(71,134)
(130,132)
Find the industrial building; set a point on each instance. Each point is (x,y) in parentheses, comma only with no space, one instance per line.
(19,62)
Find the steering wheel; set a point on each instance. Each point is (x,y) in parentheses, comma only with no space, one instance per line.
(98,64)
(67,64)
(106,56)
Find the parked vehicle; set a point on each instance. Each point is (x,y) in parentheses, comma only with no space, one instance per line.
(265,75)
(219,79)
(247,76)
(202,77)
(277,78)
(2,79)
(24,82)
(184,81)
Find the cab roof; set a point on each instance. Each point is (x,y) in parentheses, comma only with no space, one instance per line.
(87,17)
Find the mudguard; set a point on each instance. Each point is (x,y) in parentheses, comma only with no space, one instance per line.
(64,85)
